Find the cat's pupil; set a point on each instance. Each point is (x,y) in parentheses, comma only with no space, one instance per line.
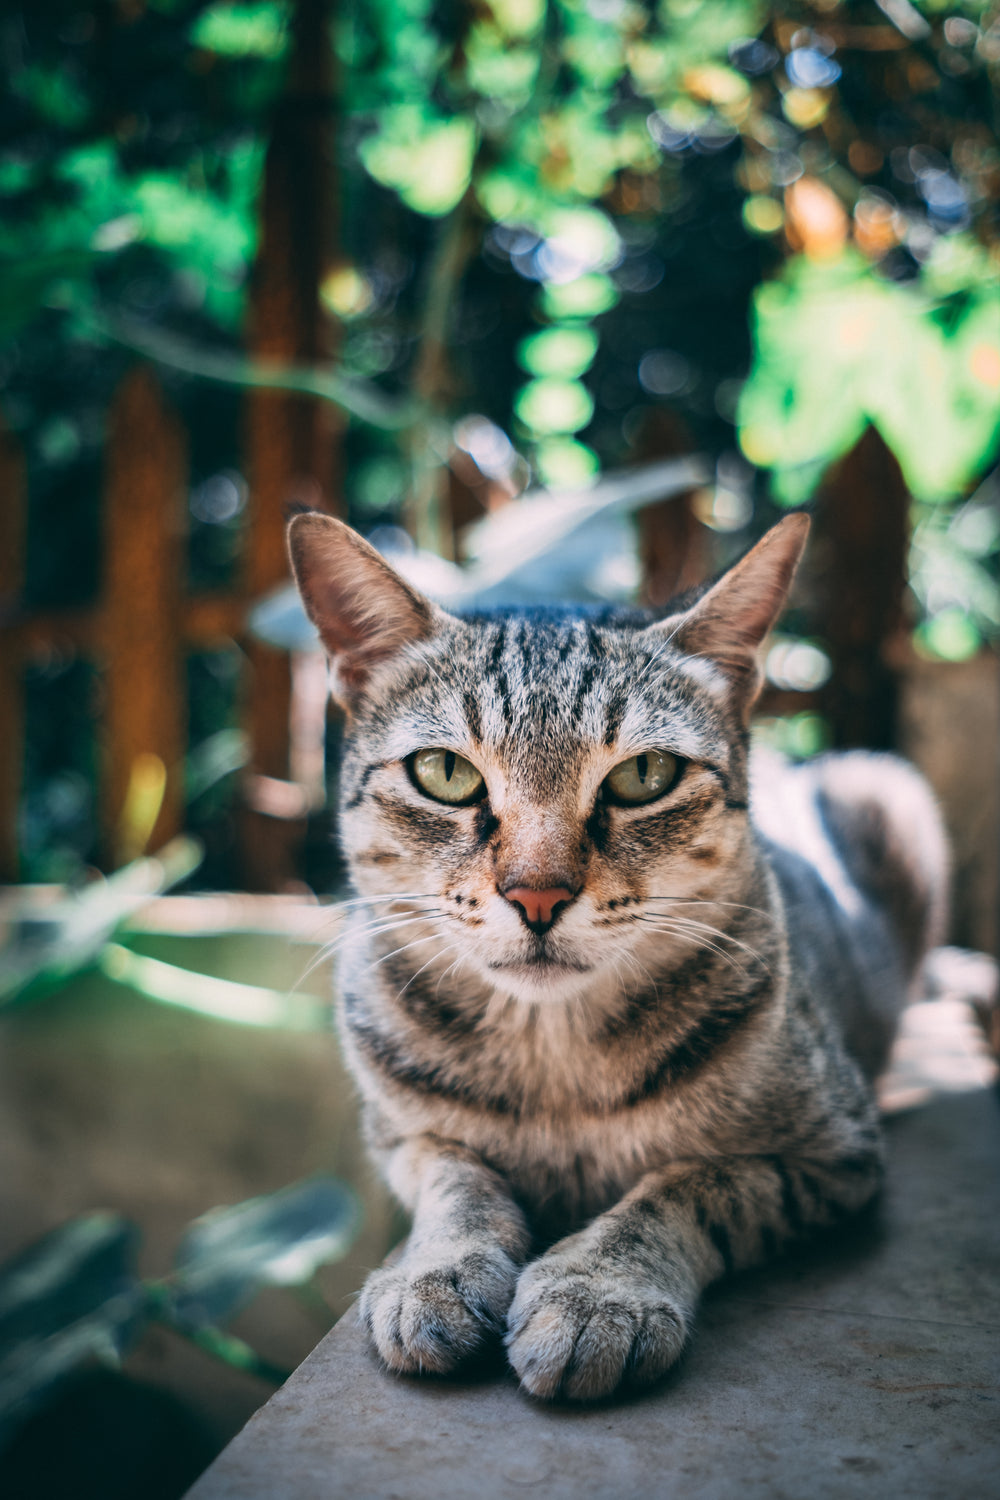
(449,764)
(642,765)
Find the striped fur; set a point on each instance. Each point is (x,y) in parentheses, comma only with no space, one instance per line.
(591,1125)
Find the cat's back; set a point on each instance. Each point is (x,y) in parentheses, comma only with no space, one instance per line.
(858,848)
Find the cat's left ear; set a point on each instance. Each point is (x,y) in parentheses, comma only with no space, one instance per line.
(729,622)
(364,612)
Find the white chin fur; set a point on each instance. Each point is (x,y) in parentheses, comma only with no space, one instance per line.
(540,984)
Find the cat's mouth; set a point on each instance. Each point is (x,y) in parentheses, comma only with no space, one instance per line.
(540,962)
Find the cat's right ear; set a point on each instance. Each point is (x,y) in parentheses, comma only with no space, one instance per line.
(730,620)
(364,612)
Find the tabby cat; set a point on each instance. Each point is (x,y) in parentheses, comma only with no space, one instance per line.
(612,990)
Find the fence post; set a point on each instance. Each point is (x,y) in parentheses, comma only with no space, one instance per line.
(858,564)
(145,716)
(672,541)
(291,440)
(13,517)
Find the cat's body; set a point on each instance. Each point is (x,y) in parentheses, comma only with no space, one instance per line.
(597,1018)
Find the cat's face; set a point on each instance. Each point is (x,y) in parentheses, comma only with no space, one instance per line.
(546,755)
(550,799)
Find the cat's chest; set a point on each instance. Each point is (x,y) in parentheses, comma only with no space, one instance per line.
(565,1165)
(571,1125)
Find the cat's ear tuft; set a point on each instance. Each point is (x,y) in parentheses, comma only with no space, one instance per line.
(364,612)
(730,621)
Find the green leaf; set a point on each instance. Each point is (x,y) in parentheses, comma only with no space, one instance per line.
(64,1275)
(500,73)
(207,995)
(24,287)
(837,348)
(428,162)
(255,29)
(567,351)
(178,217)
(586,232)
(518,18)
(596,53)
(280,1239)
(949,636)
(550,405)
(563,463)
(69,1297)
(690,34)
(584,297)
(54,92)
(510,193)
(213,759)
(80,926)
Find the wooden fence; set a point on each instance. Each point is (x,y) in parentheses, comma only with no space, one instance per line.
(140,630)
(145,624)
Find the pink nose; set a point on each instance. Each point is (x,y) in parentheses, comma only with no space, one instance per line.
(538,908)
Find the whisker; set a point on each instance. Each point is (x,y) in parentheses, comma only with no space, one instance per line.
(453,965)
(716,932)
(683,936)
(758,911)
(402,949)
(374,900)
(335,910)
(368,968)
(656,659)
(372,929)
(450,948)
(379,924)
(641,967)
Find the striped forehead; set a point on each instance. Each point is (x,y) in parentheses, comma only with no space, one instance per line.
(545,685)
(539,695)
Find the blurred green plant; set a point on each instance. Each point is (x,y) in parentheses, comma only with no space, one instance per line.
(954,565)
(528,116)
(90,929)
(545,129)
(72,935)
(837,348)
(74,1296)
(555,213)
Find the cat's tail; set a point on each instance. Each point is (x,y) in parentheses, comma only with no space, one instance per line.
(885,824)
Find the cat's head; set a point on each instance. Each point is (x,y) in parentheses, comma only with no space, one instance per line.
(558,789)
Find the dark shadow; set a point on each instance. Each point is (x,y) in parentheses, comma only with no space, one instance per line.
(845,1246)
(105,1436)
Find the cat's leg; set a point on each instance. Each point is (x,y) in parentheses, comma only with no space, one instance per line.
(453,1283)
(615,1302)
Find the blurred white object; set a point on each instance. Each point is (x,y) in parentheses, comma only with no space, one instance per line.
(575,546)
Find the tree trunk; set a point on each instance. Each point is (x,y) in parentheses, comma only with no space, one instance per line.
(859,560)
(672,541)
(291,440)
(13,520)
(144,521)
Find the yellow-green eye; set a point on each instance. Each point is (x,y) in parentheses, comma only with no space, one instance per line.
(446,776)
(642,778)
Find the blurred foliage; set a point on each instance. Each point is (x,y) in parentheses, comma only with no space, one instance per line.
(74,1297)
(558,214)
(89,928)
(837,347)
(73,933)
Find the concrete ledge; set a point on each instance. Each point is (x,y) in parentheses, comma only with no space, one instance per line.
(866,1366)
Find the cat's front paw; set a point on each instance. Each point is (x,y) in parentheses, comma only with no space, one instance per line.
(429,1317)
(583,1332)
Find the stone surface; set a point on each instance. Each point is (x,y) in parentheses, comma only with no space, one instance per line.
(869,1365)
